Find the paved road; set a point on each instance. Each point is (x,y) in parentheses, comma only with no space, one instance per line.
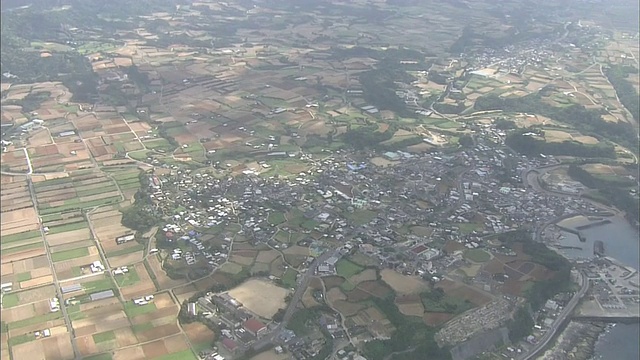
(297,296)
(564,314)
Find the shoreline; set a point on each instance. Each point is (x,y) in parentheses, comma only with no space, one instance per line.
(577,341)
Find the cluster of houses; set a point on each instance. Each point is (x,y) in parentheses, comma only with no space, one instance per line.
(143,300)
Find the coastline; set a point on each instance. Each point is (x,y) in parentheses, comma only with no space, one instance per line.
(577,341)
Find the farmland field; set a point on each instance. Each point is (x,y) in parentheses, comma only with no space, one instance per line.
(261,297)
(402,284)
(346,268)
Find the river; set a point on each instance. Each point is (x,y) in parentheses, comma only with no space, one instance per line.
(620,242)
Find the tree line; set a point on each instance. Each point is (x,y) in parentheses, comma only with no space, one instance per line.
(588,122)
(526,144)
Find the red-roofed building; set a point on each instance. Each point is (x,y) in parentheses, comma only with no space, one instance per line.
(230,345)
(419,249)
(255,327)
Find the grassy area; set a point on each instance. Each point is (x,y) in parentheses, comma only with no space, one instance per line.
(18,249)
(79,205)
(21,339)
(20,236)
(299,319)
(180,355)
(197,347)
(435,302)
(34,320)
(10,300)
(289,278)
(124,175)
(127,279)
(468,228)
(361,217)
(69,254)
(104,336)
(347,285)
(347,269)
(133,310)
(67,227)
(77,316)
(477,255)
(138,328)
(23,276)
(125,251)
(276,218)
(105,356)
(98,285)
(108,187)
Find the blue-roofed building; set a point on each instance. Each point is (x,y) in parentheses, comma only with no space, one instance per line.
(354,167)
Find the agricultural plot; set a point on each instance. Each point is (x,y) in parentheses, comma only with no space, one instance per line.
(136,283)
(261,297)
(81,190)
(107,227)
(108,325)
(403,284)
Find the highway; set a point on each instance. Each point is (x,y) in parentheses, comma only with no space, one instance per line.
(297,296)
(564,314)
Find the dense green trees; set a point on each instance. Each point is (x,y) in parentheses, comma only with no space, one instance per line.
(529,145)
(611,189)
(589,122)
(379,89)
(366,137)
(521,325)
(627,94)
(541,291)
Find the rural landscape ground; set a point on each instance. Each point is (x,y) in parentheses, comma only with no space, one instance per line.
(182,178)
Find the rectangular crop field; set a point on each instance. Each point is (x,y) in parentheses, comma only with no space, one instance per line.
(69,254)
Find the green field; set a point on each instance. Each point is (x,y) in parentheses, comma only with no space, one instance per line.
(276,218)
(361,217)
(69,254)
(289,278)
(107,187)
(67,227)
(468,228)
(21,339)
(74,205)
(105,356)
(180,355)
(10,300)
(127,279)
(98,285)
(125,251)
(477,255)
(347,269)
(104,336)
(18,249)
(138,328)
(20,236)
(437,301)
(34,320)
(133,310)
(23,276)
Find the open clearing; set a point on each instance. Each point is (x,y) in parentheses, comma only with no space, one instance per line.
(261,297)
(403,284)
